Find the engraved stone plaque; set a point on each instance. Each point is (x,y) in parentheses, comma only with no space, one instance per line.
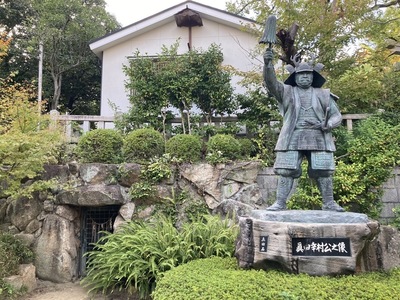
(321,247)
(263,243)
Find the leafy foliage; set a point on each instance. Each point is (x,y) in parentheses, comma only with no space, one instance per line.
(350,38)
(247,148)
(185,147)
(217,278)
(257,109)
(152,173)
(396,220)
(16,109)
(4,44)
(355,95)
(65,28)
(157,169)
(71,71)
(100,146)
(222,148)
(142,144)
(307,195)
(265,139)
(12,253)
(28,140)
(179,81)
(366,161)
(135,257)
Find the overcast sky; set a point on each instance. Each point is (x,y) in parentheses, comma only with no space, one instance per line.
(131,11)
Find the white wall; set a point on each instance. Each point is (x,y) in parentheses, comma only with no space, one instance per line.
(235,45)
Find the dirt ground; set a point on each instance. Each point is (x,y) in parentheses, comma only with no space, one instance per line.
(66,291)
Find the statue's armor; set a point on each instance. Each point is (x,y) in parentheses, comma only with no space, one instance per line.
(304,137)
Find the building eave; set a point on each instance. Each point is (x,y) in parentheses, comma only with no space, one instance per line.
(164,17)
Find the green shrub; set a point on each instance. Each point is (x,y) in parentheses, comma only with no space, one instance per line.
(265,140)
(222,148)
(307,195)
(220,278)
(12,253)
(342,138)
(156,170)
(100,146)
(247,148)
(366,161)
(142,144)
(396,220)
(185,147)
(136,255)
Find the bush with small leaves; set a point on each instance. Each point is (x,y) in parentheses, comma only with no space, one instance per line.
(396,220)
(100,146)
(247,148)
(366,160)
(185,147)
(222,148)
(142,144)
(217,278)
(13,252)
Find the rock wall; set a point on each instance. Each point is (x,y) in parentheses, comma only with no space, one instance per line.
(51,222)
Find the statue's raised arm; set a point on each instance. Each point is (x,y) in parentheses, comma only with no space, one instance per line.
(274,86)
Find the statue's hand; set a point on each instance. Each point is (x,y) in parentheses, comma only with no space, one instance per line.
(319,125)
(312,124)
(268,56)
(326,128)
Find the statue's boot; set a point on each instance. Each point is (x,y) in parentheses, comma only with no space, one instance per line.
(325,186)
(282,193)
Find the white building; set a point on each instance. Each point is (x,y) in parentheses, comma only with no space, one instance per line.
(210,26)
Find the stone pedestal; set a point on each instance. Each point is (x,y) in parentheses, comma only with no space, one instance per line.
(312,242)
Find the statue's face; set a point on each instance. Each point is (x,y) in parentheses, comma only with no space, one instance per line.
(304,79)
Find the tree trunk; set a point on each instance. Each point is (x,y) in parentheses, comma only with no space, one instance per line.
(57,79)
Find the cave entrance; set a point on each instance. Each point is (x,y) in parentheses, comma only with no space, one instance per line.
(95,220)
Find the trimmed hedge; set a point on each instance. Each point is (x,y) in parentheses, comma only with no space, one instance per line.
(220,278)
(185,147)
(142,144)
(100,146)
(247,147)
(225,144)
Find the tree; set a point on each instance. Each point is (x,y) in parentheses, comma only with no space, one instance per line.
(326,27)
(13,13)
(213,94)
(348,37)
(65,29)
(27,142)
(180,81)
(4,44)
(82,88)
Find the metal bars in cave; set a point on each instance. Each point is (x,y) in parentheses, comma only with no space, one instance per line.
(95,221)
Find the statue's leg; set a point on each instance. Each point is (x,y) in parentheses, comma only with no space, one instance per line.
(325,186)
(284,187)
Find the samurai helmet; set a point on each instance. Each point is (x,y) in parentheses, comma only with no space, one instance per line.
(299,67)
